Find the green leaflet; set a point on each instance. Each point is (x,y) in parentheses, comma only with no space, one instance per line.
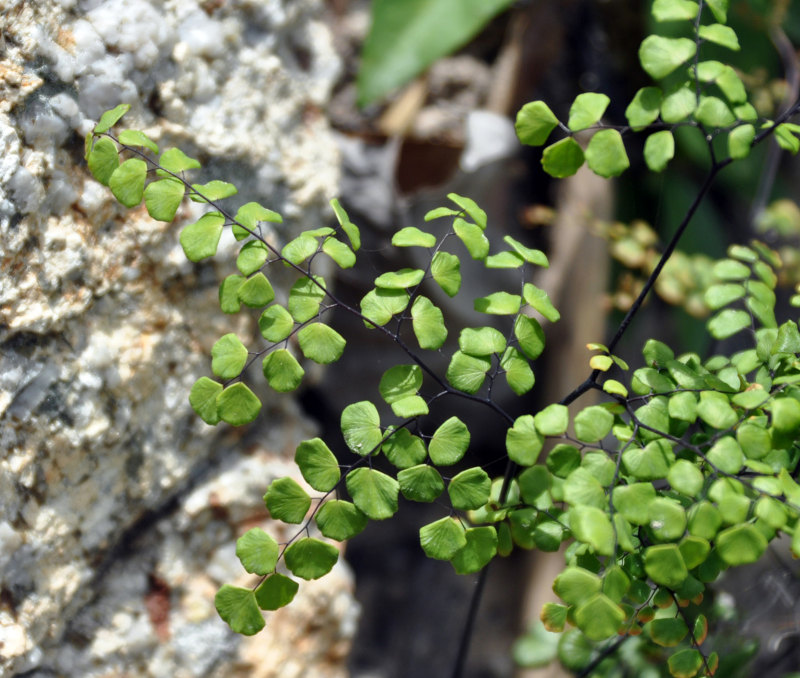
(518,372)
(428,323)
(586,110)
(380,305)
(472,236)
(374,493)
(239,610)
(467,373)
(599,617)
(361,427)
(471,208)
(256,291)
(176,161)
(349,228)
(252,257)
(339,252)
(446,271)
(480,548)
(203,399)
(421,483)
(248,217)
(411,236)
(674,10)
(162,198)
(606,155)
(317,464)
(443,538)
(275,323)
(404,450)
(539,300)
(530,336)
(310,558)
(534,123)
(469,489)
(305,298)
(228,357)
(720,35)
(229,293)
(287,501)
(257,551)
(563,158)
(276,591)
(498,303)
(282,371)
(481,341)
(127,182)
(523,441)
(535,257)
(400,280)
(321,343)
(660,56)
(644,108)
(212,191)
(400,381)
(237,405)
(103,160)
(111,118)
(449,442)
(340,520)
(200,239)
(659,149)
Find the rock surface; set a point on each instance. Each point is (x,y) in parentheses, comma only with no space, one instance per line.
(119,508)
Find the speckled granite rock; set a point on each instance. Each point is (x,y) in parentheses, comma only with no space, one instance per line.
(119,509)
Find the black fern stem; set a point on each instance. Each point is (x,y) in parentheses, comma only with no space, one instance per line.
(469,625)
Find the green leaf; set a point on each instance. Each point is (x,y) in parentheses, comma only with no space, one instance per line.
(340,520)
(229,292)
(685,663)
(728,322)
(523,441)
(213,190)
(576,585)
(784,135)
(411,236)
(678,105)
(473,238)
(650,462)
(449,442)
(714,408)
(481,341)
(593,423)
(256,291)
(339,252)
(530,336)
(659,149)
(380,305)
(287,501)
(694,551)
(599,617)
(471,208)
(498,303)
(305,298)
(405,39)
(785,415)
(644,108)
(563,158)
(317,464)
(534,482)
(275,323)
(239,610)
(714,112)
(200,239)
(176,161)
(719,8)
(479,550)
(427,321)
(633,501)
(467,373)
(373,492)
(685,478)
(228,356)
(203,399)
(282,371)
(310,558)
(539,300)
(251,257)
(321,343)
(404,450)
(733,88)
(110,118)
(400,280)
(667,519)
(400,381)
(664,565)
(674,10)
(103,160)
(518,372)
(592,526)
(443,538)
(532,256)
(410,407)
(504,260)
(257,551)
(249,215)
(723,294)
(755,440)
(726,455)
(300,248)
(563,459)
(729,269)
(660,56)
(276,592)
(238,405)
(136,138)
(534,123)
(469,489)
(439,212)
(586,110)
(606,155)
(127,182)
(719,35)
(420,483)
(582,487)
(349,228)
(361,427)
(667,632)
(445,268)
(704,520)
